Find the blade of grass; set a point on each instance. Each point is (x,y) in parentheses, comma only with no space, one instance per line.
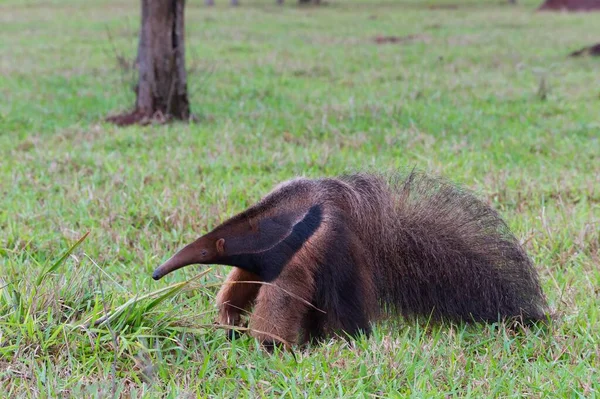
(159,295)
(60,261)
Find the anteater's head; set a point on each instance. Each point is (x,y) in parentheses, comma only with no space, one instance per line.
(207,249)
(260,244)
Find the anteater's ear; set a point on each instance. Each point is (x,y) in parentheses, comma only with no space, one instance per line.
(220,244)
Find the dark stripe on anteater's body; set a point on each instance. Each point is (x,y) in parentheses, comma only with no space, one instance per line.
(268,264)
(338,287)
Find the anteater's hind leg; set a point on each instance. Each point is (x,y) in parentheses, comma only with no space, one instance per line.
(281,308)
(236,297)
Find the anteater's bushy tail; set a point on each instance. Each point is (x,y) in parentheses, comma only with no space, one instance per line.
(443,253)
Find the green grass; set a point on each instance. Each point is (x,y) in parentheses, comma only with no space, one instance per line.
(284,91)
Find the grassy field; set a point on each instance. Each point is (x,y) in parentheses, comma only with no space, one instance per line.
(478,91)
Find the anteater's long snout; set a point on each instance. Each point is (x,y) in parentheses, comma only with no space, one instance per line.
(186,256)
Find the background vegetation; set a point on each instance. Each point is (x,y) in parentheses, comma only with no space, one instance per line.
(479,91)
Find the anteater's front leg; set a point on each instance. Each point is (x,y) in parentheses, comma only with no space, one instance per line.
(281,307)
(236,296)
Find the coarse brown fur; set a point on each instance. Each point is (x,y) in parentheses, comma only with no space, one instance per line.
(362,246)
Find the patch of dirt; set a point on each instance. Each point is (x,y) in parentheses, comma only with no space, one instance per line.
(593,51)
(463,40)
(400,39)
(570,5)
(443,7)
(135,117)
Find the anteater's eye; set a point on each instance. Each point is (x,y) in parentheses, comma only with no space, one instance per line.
(203,252)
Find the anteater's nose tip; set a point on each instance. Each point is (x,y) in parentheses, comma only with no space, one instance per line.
(156,275)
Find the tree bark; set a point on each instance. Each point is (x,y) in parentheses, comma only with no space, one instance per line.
(162,84)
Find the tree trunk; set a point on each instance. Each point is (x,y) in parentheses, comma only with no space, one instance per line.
(162,83)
